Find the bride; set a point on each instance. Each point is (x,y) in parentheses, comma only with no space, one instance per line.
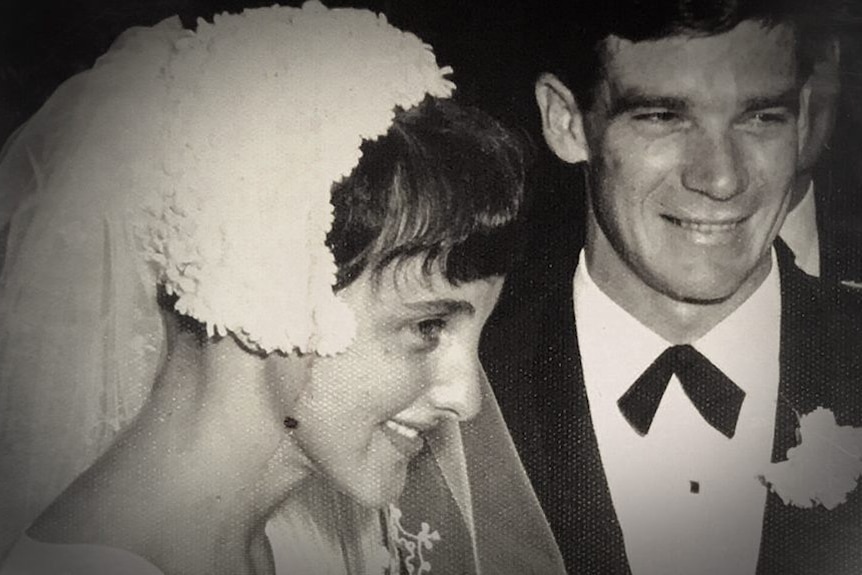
(246,273)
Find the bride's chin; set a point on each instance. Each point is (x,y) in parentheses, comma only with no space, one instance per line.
(286,471)
(377,490)
(373,477)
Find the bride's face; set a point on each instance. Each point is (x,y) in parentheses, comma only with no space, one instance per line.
(413,365)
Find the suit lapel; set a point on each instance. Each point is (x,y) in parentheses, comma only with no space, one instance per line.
(597,541)
(792,401)
(545,406)
(797,540)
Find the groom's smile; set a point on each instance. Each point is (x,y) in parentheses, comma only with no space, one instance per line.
(693,144)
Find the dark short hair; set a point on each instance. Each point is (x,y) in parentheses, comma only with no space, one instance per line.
(576,49)
(445,183)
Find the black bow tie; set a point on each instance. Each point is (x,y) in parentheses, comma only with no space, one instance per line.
(714,395)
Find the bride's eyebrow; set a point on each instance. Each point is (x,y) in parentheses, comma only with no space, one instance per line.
(441,307)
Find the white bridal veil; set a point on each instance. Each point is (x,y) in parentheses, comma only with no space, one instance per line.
(81,335)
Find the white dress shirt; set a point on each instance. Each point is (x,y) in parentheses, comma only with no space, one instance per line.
(799,232)
(687,497)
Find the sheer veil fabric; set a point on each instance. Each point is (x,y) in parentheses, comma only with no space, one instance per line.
(82,338)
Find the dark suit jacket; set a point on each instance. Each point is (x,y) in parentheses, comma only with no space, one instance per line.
(530,352)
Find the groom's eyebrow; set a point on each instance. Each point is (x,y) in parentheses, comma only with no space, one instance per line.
(635,99)
(786,99)
(442,307)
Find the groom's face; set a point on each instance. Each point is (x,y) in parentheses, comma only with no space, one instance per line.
(693,144)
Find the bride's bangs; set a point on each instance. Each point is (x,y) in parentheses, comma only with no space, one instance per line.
(444,184)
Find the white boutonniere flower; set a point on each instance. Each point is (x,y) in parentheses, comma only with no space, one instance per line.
(824,468)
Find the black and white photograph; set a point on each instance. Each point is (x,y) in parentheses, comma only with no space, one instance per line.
(412,287)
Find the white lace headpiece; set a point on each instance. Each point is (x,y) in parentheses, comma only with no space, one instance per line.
(267,109)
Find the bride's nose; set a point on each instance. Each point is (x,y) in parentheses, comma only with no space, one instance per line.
(456,389)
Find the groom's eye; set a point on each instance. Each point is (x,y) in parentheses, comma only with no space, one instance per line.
(657,116)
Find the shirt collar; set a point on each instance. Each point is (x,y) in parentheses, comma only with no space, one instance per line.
(617,346)
(799,232)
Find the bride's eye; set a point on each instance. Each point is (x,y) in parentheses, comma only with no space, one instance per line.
(430,329)
(427,332)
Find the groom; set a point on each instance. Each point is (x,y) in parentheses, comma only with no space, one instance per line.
(650,392)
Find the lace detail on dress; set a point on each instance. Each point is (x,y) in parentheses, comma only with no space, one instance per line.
(409,548)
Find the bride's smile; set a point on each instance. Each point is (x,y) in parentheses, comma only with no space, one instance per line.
(413,366)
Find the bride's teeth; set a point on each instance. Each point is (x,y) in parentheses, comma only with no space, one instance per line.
(402,429)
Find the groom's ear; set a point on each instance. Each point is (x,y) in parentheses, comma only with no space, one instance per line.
(562,120)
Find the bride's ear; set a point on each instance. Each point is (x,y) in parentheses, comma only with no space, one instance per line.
(562,120)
